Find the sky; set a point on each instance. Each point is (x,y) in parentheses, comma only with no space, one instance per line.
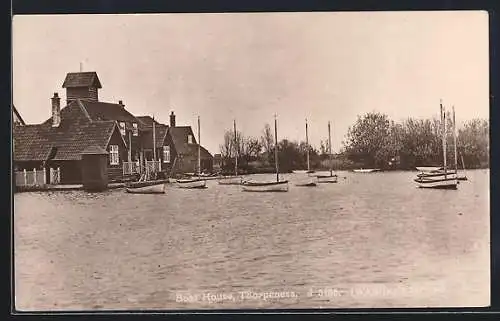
(323,66)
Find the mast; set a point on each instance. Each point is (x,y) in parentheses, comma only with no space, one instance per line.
(154,140)
(276,148)
(455,140)
(236,151)
(199,150)
(330,148)
(307,146)
(443,124)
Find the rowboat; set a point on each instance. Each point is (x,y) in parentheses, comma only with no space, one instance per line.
(145,188)
(429,169)
(366,170)
(192,183)
(281,186)
(272,186)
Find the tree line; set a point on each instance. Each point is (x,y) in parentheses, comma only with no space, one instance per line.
(373,141)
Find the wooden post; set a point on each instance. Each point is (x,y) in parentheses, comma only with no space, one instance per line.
(44,176)
(307,147)
(276,149)
(59,175)
(34,176)
(25,177)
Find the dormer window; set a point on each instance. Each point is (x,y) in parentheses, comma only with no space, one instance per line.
(135,130)
(190,139)
(122,128)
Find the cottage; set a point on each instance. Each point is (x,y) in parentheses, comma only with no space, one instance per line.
(180,146)
(59,142)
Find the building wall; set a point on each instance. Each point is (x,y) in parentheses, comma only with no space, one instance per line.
(82,93)
(115,172)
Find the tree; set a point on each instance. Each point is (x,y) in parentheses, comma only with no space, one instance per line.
(367,140)
(267,142)
(473,143)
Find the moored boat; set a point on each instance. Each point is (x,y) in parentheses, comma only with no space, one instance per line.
(366,170)
(331,177)
(192,183)
(429,169)
(307,181)
(272,186)
(145,188)
(281,186)
(440,178)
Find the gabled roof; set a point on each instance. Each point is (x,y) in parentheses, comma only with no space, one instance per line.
(82,79)
(37,142)
(160,133)
(108,111)
(147,121)
(21,120)
(179,137)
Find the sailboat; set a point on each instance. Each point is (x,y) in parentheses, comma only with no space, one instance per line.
(271,186)
(144,185)
(332,178)
(233,180)
(194,182)
(440,179)
(309,181)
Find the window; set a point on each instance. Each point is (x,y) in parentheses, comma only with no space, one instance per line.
(190,139)
(113,155)
(166,154)
(122,128)
(135,130)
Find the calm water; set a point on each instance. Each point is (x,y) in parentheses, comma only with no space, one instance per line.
(372,240)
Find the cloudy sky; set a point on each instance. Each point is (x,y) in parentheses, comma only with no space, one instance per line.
(249,66)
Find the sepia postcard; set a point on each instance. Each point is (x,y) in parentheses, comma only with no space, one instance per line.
(306,160)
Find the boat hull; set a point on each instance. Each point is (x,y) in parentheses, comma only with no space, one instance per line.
(150,189)
(428,169)
(437,183)
(368,170)
(327,179)
(308,182)
(192,183)
(235,180)
(265,187)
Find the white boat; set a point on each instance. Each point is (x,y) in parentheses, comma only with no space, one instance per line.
(307,181)
(236,179)
(272,186)
(429,169)
(440,178)
(146,188)
(366,170)
(194,182)
(331,177)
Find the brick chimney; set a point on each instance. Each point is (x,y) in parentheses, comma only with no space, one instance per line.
(56,110)
(172,119)
(120,102)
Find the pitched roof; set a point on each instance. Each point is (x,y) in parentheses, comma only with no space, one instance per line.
(37,142)
(179,138)
(160,133)
(21,120)
(82,79)
(109,111)
(147,121)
